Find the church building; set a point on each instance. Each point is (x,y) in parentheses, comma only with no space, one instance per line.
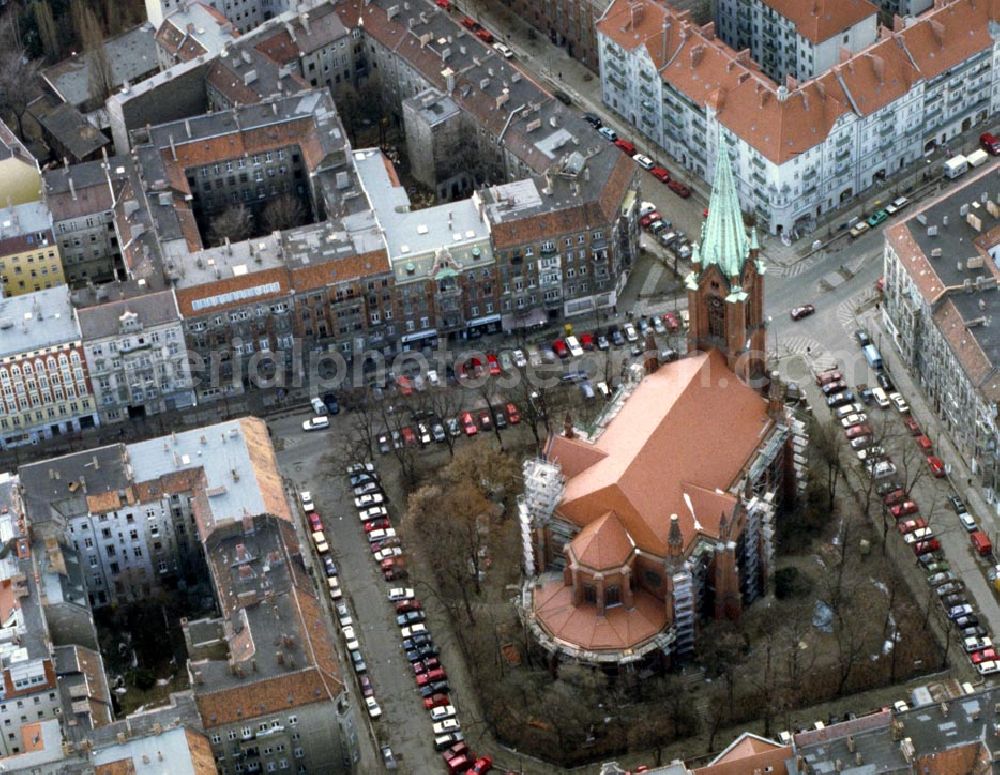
(662,517)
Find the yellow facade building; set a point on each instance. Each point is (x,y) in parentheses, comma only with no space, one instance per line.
(29,255)
(20,178)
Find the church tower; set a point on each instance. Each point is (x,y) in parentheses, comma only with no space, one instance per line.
(726,284)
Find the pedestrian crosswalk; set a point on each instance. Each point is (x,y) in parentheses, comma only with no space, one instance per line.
(812,351)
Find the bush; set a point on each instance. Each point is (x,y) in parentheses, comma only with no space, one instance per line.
(144,680)
(789,583)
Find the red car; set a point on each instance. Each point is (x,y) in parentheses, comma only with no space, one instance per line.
(649,218)
(660,174)
(484,35)
(926,547)
(902,509)
(924,442)
(625,146)
(436,701)
(937,467)
(513,416)
(457,762)
(409,437)
(909,525)
(670,321)
(427,664)
(984,655)
(858,430)
(680,189)
(485,420)
(446,4)
(911,425)
(367,690)
(587,341)
(468,424)
(469,24)
(834,375)
(405,606)
(472,368)
(431,676)
(493,364)
(559,348)
(483,765)
(894,497)
(377,524)
(315,522)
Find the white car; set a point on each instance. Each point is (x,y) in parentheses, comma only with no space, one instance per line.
(360,468)
(968,521)
(519,360)
(446,726)
(307,501)
(846,409)
(573,344)
(503,50)
(374,711)
(977,644)
(316,424)
(367,487)
(920,534)
(853,419)
(643,161)
(387,553)
(349,633)
(899,402)
(373,512)
(988,667)
(409,632)
(896,205)
(630,333)
(346,621)
(872,453)
(382,534)
(401,593)
(880,398)
(372,499)
(443,712)
(882,469)
(432,378)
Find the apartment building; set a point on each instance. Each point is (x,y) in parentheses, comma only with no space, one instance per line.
(135,351)
(905,7)
(18,170)
(137,514)
(244,14)
(81,200)
(942,268)
(43,375)
(791,38)
(799,150)
(193,30)
(276,701)
(29,256)
(567,23)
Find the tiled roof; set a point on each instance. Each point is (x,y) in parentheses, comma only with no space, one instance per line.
(748,753)
(582,626)
(818,20)
(782,125)
(604,544)
(261,698)
(655,448)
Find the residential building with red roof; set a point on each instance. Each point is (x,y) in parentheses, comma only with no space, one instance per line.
(801,147)
(660,514)
(941,273)
(797,38)
(193,30)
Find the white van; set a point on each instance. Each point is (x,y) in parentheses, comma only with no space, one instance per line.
(880,398)
(318,406)
(573,344)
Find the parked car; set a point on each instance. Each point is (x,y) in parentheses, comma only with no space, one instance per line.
(925,547)
(401,593)
(644,161)
(513,415)
(679,188)
(485,420)
(468,424)
(903,509)
(899,402)
(825,377)
(968,522)
(593,119)
(936,466)
(661,174)
(844,397)
(316,423)
(608,133)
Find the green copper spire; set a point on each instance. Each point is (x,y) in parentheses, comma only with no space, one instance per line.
(724,237)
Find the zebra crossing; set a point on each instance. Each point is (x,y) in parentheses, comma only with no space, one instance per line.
(809,349)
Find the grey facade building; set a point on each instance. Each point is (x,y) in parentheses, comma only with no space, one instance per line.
(81,199)
(942,267)
(135,352)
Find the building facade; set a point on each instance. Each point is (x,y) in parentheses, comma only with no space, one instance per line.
(136,356)
(18,170)
(942,267)
(43,375)
(800,149)
(81,200)
(29,255)
(630,541)
(793,39)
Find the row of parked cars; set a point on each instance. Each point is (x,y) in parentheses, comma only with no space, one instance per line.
(655,169)
(662,229)
(427,428)
(900,506)
(416,641)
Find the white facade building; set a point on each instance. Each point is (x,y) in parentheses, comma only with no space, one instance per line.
(800,149)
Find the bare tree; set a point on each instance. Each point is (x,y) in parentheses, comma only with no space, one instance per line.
(282,213)
(41,10)
(18,74)
(824,439)
(235,222)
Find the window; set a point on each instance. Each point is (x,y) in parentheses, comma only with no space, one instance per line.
(590,593)
(612,595)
